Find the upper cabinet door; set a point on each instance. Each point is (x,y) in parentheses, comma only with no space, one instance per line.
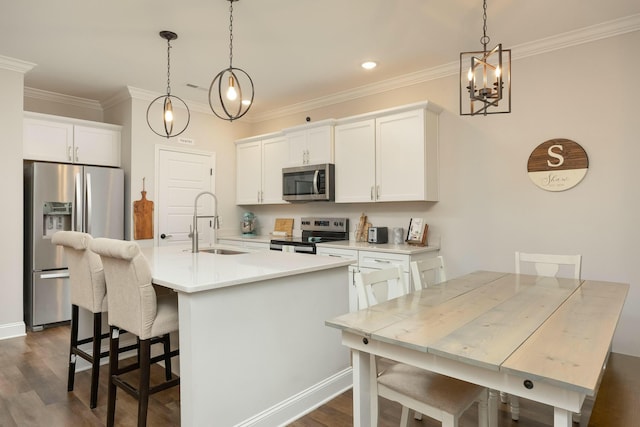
(50,141)
(401,162)
(320,145)
(274,157)
(96,146)
(249,173)
(355,161)
(310,145)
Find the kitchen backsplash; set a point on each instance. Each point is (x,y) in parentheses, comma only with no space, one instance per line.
(378,214)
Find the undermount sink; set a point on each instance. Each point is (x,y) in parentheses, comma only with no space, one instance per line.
(222,251)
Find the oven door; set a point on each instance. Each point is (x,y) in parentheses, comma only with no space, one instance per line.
(287,246)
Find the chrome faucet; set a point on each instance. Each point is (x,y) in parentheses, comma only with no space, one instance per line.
(216,224)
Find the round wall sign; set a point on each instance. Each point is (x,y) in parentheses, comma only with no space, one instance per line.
(557,164)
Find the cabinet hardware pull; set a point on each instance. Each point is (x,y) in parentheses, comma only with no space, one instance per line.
(384,261)
(77,153)
(69,153)
(371,192)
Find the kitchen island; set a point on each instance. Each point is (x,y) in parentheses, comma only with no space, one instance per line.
(253,347)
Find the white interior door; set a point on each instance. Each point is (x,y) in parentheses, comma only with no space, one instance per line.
(180,176)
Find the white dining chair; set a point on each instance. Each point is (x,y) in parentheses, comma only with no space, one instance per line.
(427,272)
(548,264)
(437,396)
(543,265)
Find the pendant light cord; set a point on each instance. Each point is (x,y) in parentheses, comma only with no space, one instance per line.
(231,33)
(168,67)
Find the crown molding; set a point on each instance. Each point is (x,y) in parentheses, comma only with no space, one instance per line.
(17,65)
(148,96)
(74,101)
(561,41)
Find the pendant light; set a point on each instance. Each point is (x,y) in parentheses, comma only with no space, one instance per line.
(168,111)
(231,91)
(485,78)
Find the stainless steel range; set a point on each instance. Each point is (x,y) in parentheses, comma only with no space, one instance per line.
(314,230)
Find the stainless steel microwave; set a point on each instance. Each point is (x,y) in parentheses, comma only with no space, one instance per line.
(308,183)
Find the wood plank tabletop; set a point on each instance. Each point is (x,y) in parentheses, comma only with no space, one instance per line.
(365,322)
(584,325)
(542,328)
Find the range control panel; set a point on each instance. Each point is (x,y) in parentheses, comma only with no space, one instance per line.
(324,224)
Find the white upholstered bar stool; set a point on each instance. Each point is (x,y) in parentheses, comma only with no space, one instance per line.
(88,291)
(437,396)
(427,272)
(543,265)
(135,307)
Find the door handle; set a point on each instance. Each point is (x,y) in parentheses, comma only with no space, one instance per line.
(89,204)
(54,275)
(165,236)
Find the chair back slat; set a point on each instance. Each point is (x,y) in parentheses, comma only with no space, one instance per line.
(549,264)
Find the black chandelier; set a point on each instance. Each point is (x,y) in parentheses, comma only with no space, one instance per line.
(168,113)
(483,76)
(227,99)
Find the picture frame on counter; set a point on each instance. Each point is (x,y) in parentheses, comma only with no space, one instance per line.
(417,232)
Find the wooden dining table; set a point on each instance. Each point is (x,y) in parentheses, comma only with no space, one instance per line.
(541,338)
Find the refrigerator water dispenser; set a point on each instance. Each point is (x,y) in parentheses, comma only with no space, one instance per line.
(56,216)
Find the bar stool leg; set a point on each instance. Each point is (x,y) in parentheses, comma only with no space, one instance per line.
(95,358)
(114,344)
(72,346)
(166,341)
(145,378)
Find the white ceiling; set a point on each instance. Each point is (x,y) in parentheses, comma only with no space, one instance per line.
(295,50)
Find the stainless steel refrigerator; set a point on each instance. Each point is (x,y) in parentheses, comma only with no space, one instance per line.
(63,197)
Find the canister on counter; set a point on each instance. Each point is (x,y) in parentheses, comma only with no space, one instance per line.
(397,235)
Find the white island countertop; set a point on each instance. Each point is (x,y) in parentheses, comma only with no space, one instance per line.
(176,267)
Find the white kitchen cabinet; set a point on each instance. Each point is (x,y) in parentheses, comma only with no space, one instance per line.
(355,161)
(388,156)
(259,163)
(96,146)
(65,140)
(310,144)
(346,254)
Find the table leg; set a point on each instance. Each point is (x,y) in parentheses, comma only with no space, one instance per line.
(561,418)
(492,408)
(362,399)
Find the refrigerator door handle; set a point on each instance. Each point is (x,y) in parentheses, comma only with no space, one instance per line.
(87,227)
(55,275)
(75,212)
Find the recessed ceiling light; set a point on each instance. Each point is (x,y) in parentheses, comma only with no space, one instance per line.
(369,65)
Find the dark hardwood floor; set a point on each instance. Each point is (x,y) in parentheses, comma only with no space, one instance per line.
(33,392)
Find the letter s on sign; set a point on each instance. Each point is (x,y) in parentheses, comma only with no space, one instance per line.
(551,153)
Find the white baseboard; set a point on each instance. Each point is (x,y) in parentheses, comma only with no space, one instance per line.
(12,330)
(302,403)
